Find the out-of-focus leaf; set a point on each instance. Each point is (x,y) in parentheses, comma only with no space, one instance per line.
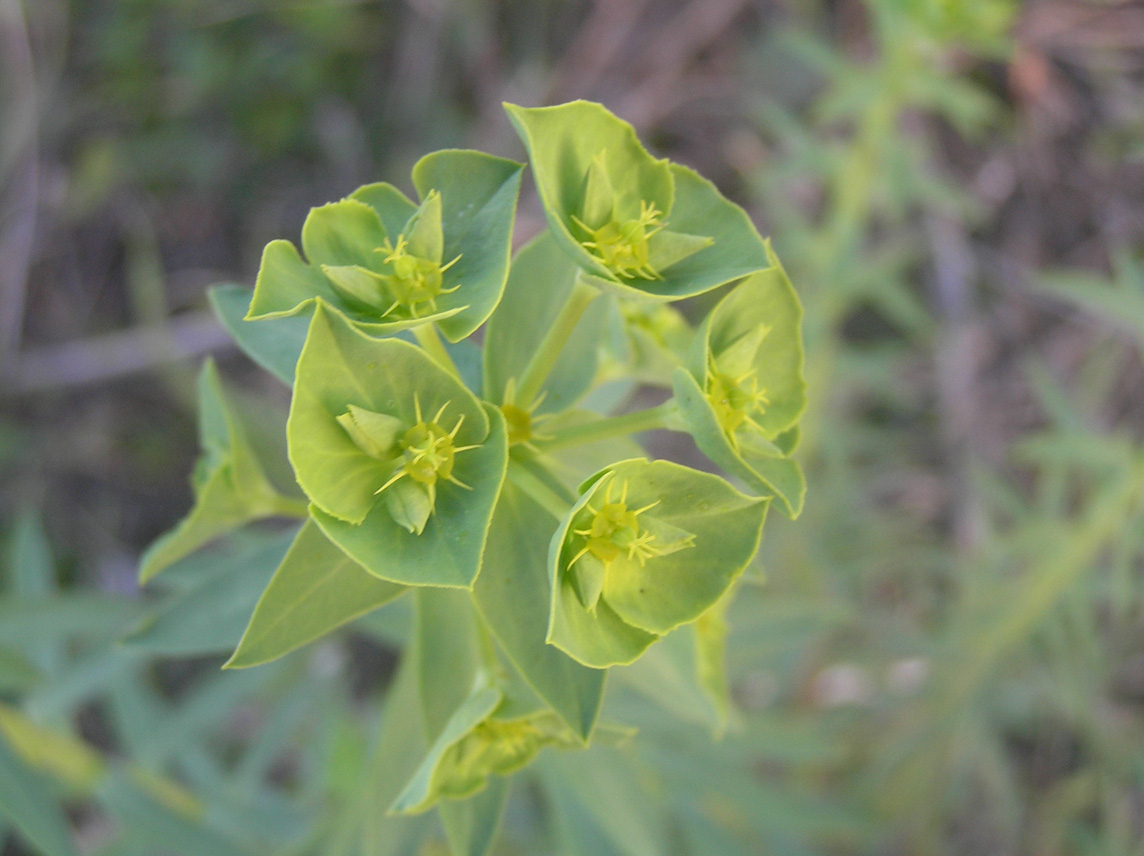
(64,757)
(605,793)
(65,616)
(210,617)
(17,672)
(162,820)
(666,675)
(472,824)
(30,805)
(32,577)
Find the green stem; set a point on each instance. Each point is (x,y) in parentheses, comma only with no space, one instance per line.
(288,506)
(538,491)
(427,337)
(611,426)
(540,366)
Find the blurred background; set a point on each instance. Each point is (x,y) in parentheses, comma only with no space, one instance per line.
(948,654)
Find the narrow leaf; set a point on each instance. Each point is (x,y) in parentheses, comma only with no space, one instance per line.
(316,589)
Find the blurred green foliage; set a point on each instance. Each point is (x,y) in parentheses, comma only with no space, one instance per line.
(945,655)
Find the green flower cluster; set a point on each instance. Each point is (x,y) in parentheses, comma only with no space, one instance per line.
(480,476)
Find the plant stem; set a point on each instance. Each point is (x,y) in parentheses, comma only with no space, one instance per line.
(538,491)
(427,337)
(611,426)
(540,366)
(288,506)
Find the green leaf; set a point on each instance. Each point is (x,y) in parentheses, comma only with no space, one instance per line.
(29,804)
(348,232)
(17,672)
(779,477)
(601,791)
(514,601)
(364,827)
(341,367)
(31,571)
(563,145)
(422,791)
(210,616)
(673,540)
(539,283)
(709,635)
(273,344)
(665,674)
(161,819)
(471,825)
(478,198)
(286,285)
(62,756)
(448,648)
(64,616)
(474,746)
(231,487)
(392,206)
(32,578)
(316,589)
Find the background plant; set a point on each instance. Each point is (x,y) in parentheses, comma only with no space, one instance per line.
(926,528)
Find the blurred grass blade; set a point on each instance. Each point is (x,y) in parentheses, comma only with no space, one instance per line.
(210,617)
(29,804)
(165,821)
(471,825)
(32,576)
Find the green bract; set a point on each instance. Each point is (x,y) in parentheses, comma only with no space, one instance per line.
(635,225)
(742,391)
(380,435)
(498,479)
(389,265)
(649,546)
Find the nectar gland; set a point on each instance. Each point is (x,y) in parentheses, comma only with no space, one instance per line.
(428,453)
(415,283)
(622,246)
(615,530)
(736,401)
(522,421)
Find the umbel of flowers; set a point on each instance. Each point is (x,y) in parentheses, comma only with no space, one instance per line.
(494,480)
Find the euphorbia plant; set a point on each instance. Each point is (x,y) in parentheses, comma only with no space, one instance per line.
(485,478)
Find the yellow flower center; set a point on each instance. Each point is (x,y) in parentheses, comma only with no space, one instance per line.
(428,452)
(622,245)
(415,283)
(615,529)
(736,401)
